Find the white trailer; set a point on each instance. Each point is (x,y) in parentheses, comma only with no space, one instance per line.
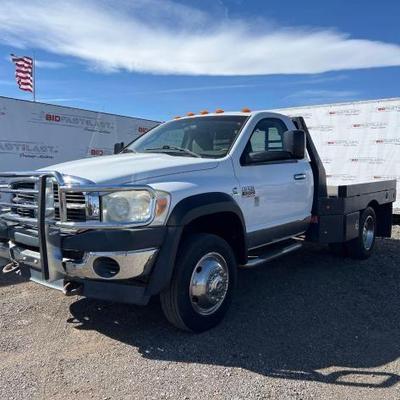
(358,141)
(34,135)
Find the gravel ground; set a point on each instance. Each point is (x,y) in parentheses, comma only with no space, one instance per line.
(309,326)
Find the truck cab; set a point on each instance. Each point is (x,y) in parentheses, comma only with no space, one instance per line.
(179,209)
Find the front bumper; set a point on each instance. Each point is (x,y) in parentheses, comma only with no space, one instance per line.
(131,264)
(136,264)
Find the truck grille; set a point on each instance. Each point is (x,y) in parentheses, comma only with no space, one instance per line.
(24,198)
(76,206)
(76,203)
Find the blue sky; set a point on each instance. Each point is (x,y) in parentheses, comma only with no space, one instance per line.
(161,58)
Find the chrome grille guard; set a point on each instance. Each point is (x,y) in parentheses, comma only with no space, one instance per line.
(47,226)
(40,222)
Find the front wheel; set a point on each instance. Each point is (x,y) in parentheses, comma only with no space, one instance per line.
(202,285)
(362,246)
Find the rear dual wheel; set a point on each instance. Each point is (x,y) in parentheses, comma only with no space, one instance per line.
(363,245)
(202,285)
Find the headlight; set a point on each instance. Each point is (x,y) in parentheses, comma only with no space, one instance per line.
(136,206)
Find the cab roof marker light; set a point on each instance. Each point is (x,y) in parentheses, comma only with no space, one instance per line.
(219,111)
(177,117)
(204,112)
(190,114)
(246,110)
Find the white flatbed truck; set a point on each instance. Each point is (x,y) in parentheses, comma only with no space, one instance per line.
(180,208)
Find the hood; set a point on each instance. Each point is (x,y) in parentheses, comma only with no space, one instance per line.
(131,167)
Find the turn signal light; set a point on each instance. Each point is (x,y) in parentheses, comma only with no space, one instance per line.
(219,111)
(161,206)
(246,110)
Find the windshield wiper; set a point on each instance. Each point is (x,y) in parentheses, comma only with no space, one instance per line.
(128,151)
(175,148)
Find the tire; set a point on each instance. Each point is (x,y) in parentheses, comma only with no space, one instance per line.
(362,246)
(186,303)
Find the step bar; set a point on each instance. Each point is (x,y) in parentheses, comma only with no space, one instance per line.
(272,254)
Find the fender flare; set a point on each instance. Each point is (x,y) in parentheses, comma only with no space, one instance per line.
(186,211)
(201,205)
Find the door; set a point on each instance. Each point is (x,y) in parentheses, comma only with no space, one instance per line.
(275,196)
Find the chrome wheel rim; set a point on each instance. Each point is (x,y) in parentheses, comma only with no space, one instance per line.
(368,232)
(209,284)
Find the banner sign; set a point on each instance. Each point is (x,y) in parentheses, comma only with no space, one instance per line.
(35,135)
(357,142)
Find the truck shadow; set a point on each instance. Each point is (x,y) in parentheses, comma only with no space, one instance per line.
(291,318)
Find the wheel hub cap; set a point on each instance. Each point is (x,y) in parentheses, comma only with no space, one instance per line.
(368,233)
(209,283)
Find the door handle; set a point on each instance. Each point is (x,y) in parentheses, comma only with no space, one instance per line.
(299,177)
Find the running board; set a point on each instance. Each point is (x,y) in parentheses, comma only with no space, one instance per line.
(272,254)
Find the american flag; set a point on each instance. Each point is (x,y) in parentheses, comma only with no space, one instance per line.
(23,72)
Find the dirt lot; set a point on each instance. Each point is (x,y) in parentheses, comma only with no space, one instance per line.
(310,326)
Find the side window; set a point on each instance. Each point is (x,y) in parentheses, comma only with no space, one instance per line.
(267,136)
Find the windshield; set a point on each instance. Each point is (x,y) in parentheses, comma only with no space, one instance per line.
(208,137)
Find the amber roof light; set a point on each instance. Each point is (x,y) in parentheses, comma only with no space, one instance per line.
(190,114)
(219,111)
(246,110)
(204,112)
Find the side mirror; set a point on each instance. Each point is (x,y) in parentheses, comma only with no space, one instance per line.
(118,147)
(294,142)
